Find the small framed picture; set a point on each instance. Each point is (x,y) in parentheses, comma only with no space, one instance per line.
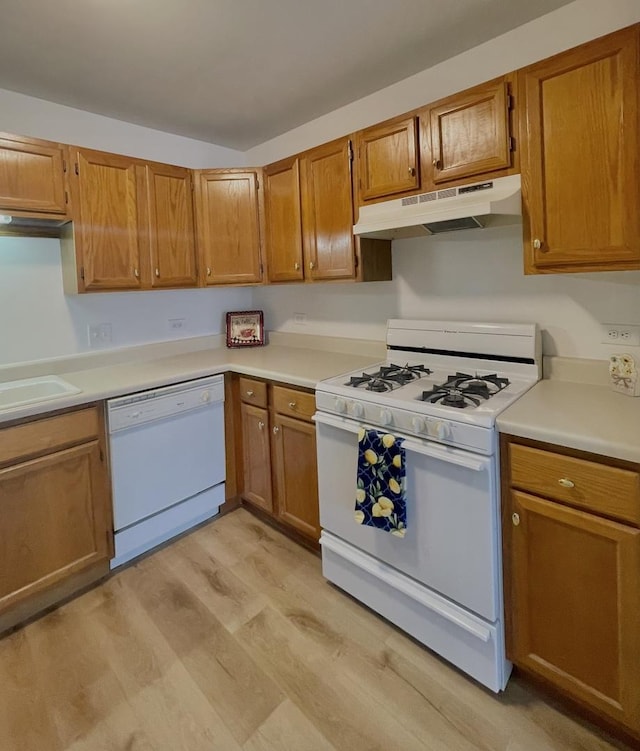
(245,328)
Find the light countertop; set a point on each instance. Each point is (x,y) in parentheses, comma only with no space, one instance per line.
(149,367)
(586,416)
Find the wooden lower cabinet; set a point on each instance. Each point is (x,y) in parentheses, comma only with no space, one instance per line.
(256,456)
(57,531)
(280,474)
(572,591)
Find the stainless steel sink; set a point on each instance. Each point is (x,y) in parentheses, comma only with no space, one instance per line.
(32,390)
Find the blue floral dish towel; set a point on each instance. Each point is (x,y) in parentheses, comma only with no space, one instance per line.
(380,491)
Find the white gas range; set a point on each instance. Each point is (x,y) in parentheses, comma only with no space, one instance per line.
(440,390)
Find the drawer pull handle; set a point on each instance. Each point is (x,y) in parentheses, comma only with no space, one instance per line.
(260,425)
(250,392)
(566,483)
(515,518)
(276,430)
(292,405)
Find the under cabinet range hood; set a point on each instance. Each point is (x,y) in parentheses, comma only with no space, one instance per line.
(481,204)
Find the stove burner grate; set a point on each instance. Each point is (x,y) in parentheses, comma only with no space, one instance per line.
(389,377)
(462,390)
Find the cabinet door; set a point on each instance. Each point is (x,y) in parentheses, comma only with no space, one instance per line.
(170,226)
(575,600)
(388,159)
(256,454)
(470,133)
(228,227)
(296,473)
(31,176)
(579,157)
(283,221)
(327,212)
(55,520)
(106,221)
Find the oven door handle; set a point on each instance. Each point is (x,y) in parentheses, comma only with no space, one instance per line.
(452,456)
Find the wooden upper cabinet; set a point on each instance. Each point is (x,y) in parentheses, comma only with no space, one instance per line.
(228,220)
(575,599)
(283,221)
(468,134)
(327,211)
(388,162)
(106,221)
(580,155)
(31,176)
(170,226)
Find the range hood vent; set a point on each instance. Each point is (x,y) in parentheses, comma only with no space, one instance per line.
(465,207)
(24,225)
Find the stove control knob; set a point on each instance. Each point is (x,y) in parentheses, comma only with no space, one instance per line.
(441,430)
(358,409)
(418,424)
(386,418)
(340,405)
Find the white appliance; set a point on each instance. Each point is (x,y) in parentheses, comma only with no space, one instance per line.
(167,459)
(440,389)
(483,204)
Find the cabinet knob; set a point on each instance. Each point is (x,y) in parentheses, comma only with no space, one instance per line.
(537,244)
(250,392)
(260,425)
(296,266)
(292,405)
(276,430)
(436,163)
(136,273)
(566,483)
(157,272)
(412,171)
(312,265)
(515,518)
(208,271)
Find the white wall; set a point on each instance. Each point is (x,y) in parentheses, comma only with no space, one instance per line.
(39,322)
(38,118)
(473,275)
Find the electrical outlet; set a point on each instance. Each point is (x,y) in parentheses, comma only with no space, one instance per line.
(621,333)
(177,324)
(100,334)
(300,319)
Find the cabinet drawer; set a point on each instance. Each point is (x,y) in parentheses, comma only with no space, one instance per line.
(48,435)
(293,402)
(253,392)
(597,487)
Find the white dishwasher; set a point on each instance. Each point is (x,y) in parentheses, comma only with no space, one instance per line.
(167,460)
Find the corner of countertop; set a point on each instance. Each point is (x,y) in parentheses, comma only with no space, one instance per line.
(576,370)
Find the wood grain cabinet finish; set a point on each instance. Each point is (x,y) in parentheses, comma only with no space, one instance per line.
(283,221)
(32,177)
(296,474)
(572,593)
(228,220)
(107,238)
(169,209)
(56,508)
(468,134)
(327,212)
(280,473)
(388,159)
(256,456)
(579,157)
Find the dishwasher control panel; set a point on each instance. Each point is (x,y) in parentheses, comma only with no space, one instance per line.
(137,409)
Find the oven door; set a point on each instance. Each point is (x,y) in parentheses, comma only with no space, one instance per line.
(452,539)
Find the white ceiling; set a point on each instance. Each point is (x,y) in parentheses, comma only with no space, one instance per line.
(235,72)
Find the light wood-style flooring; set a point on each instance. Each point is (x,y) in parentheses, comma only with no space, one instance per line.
(230,639)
